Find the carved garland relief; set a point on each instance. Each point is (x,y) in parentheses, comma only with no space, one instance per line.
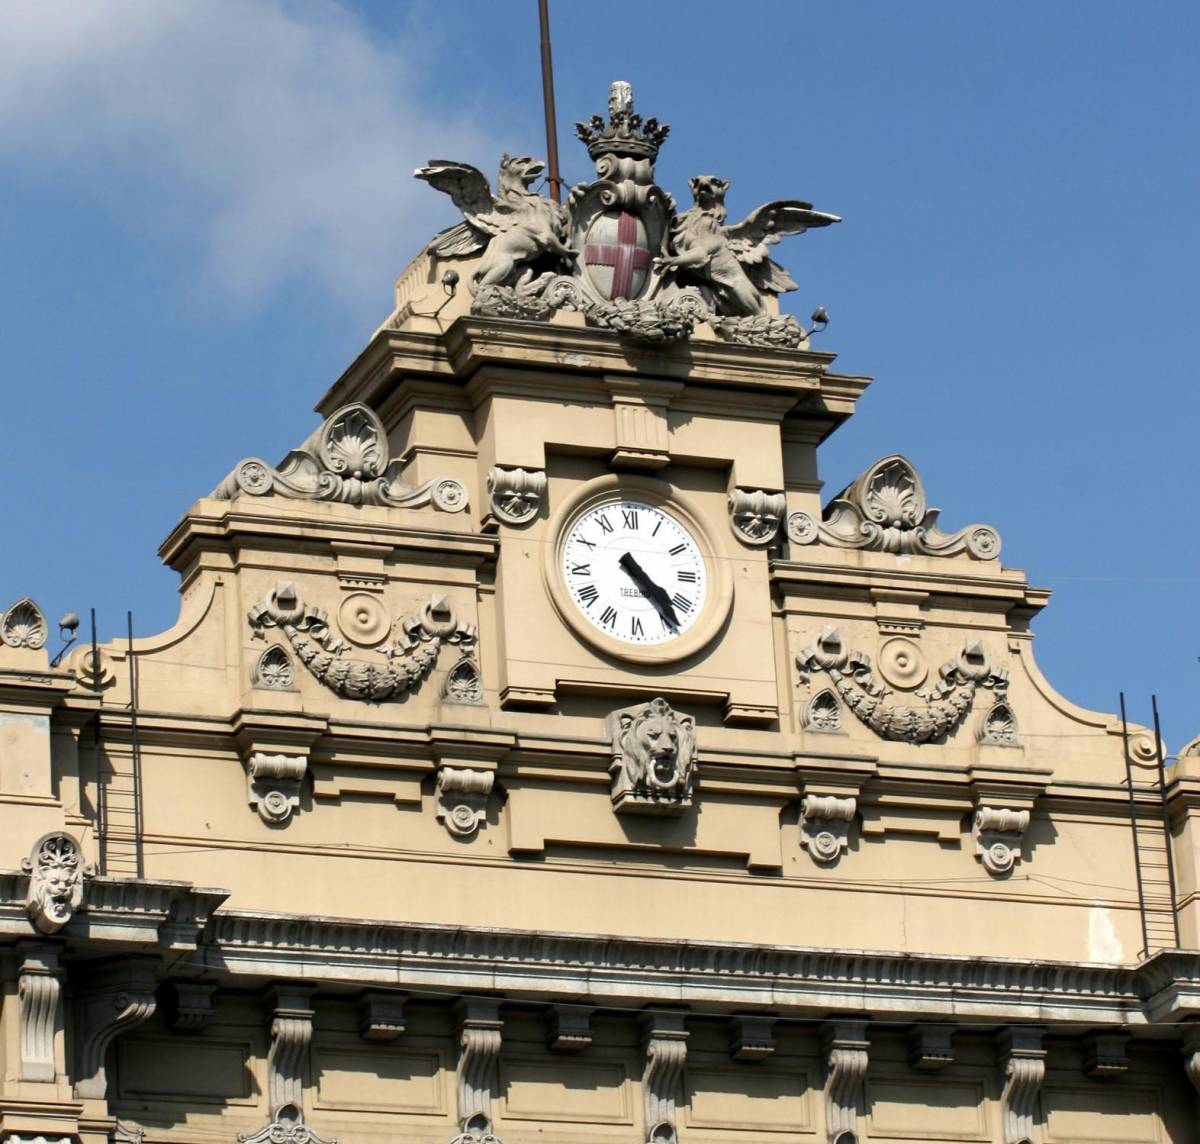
(409,656)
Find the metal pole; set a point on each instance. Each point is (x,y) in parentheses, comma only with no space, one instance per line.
(1137,850)
(1166,817)
(101,797)
(135,754)
(548,103)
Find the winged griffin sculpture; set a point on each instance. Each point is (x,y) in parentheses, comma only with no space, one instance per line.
(513,228)
(732,260)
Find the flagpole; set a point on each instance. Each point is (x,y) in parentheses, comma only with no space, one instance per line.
(548,102)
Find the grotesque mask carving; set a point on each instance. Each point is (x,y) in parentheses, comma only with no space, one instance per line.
(56,869)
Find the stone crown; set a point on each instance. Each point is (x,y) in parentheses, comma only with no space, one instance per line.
(626,133)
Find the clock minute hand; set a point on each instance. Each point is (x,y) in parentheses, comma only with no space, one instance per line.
(658,597)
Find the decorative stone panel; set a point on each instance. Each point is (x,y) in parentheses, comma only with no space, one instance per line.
(462,796)
(654,758)
(824,823)
(998,835)
(273,785)
(755,514)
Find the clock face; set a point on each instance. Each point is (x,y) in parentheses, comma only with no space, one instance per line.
(634,572)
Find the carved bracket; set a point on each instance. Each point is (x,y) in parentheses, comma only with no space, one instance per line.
(1105,1055)
(191,1005)
(998,835)
(751,1038)
(120,1000)
(931,1047)
(56,872)
(39,987)
(480,1029)
(662,1075)
(462,796)
(273,785)
(1024,1062)
(884,510)
(653,758)
(846,1059)
(824,824)
(291,1034)
(947,700)
(755,514)
(288,1127)
(1191,1053)
(569,1028)
(381,1016)
(515,495)
(345,460)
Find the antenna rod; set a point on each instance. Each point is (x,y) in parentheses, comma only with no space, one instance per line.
(1137,853)
(1166,817)
(548,101)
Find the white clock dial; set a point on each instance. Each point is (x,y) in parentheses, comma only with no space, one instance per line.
(634,572)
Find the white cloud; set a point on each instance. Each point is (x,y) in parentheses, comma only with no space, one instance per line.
(276,138)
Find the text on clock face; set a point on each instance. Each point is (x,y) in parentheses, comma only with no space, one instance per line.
(634,572)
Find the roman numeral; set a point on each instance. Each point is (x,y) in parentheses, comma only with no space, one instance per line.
(635,627)
(608,616)
(657,527)
(629,518)
(586,570)
(589,594)
(677,549)
(589,543)
(681,602)
(687,577)
(605,525)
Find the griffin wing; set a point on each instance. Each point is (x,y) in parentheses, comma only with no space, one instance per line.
(470,191)
(751,238)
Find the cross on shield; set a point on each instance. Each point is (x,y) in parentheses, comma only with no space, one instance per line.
(617,254)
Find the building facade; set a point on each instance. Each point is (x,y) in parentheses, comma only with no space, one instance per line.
(541,754)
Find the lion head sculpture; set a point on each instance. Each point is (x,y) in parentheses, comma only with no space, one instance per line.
(654,751)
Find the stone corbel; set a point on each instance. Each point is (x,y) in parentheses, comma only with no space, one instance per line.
(931,1047)
(755,514)
(291,1034)
(999,833)
(462,797)
(846,1059)
(1024,1062)
(1105,1055)
(479,1035)
(751,1037)
(39,987)
(191,1005)
(569,1028)
(116,1002)
(643,436)
(381,1016)
(515,495)
(824,824)
(273,785)
(665,1043)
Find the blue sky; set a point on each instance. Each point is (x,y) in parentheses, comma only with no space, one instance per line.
(202,207)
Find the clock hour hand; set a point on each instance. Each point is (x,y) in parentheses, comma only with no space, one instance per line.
(658,597)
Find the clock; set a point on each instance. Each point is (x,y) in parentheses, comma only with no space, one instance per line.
(634,572)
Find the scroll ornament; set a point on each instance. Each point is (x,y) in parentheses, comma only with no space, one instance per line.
(884,510)
(824,823)
(515,495)
(755,514)
(947,701)
(653,761)
(56,871)
(462,795)
(346,460)
(287,1127)
(409,656)
(998,834)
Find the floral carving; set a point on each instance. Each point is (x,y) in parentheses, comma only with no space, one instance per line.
(998,728)
(824,712)
(516,495)
(755,514)
(288,1127)
(884,510)
(947,700)
(409,656)
(274,670)
(23,625)
(56,871)
(345,460)
(654,763)
(463,684)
